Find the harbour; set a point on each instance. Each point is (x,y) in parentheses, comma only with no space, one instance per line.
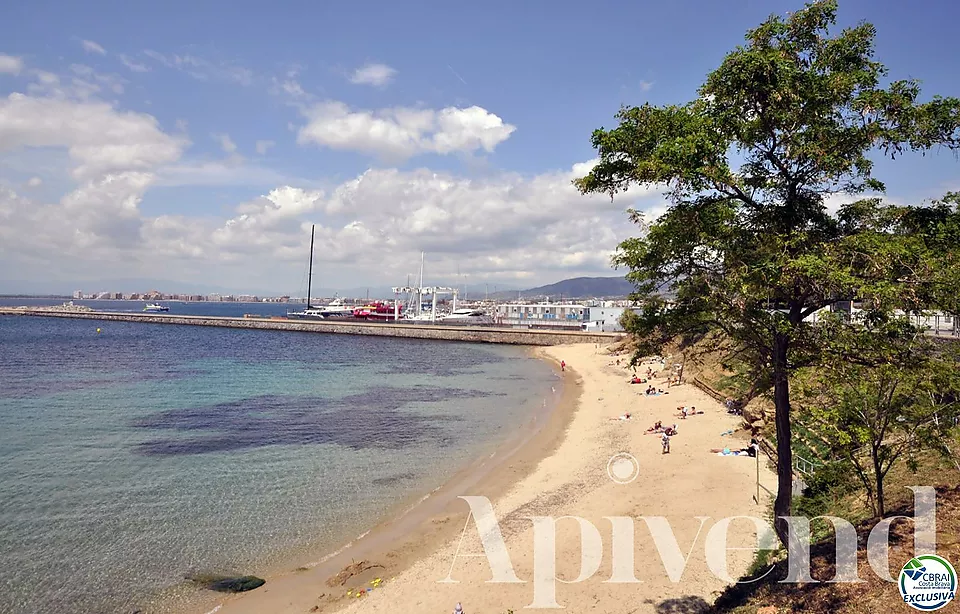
(474,334)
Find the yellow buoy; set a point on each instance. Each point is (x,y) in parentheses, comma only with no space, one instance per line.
(98,331)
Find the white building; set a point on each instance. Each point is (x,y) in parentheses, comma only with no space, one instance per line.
(603,319)
(552,315)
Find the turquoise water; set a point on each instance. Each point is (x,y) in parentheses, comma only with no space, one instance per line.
(137,456)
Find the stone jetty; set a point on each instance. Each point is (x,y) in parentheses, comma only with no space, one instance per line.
(477,334)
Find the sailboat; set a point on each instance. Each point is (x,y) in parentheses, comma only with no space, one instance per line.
(309,312)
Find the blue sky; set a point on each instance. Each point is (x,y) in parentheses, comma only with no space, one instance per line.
(489,198)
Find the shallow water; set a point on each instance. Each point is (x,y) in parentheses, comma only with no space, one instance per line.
(147,452)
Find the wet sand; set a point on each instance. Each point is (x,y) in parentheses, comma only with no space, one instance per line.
(564,469)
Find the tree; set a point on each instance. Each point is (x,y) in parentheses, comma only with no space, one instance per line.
(747,243)
(884,398)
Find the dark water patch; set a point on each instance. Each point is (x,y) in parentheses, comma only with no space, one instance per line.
(370,419)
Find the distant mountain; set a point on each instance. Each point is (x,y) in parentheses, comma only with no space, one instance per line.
(578,287)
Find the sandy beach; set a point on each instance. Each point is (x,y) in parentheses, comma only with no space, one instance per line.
(565,470)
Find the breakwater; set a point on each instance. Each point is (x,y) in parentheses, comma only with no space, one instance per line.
(476,334)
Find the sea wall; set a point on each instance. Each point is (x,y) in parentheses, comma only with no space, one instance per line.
(477,334)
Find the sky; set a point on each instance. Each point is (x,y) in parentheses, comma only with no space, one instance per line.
(197,142)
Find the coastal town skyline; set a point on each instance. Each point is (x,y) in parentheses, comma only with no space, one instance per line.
(139,145)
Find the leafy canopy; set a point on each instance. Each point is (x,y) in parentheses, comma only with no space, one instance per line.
(787,120)
(748,245)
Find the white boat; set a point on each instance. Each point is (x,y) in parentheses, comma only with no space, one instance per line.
(466,315)
(154,307)
(426,316)
(335,308)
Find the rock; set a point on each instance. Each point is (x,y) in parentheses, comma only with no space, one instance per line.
(752,413)
(228,584)
(237,585)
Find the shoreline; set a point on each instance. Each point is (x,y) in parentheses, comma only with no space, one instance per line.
(433,569)
(424,521)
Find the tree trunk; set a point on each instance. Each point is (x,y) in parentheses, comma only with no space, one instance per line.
(781,401)
(878,478)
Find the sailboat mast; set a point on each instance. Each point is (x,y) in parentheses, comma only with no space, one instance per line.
(420,289)
(310,274)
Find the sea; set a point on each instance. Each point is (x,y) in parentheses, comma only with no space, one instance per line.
(135,456)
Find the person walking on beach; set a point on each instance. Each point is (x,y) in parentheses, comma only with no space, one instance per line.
(665,440)
(563,365)
(458,609)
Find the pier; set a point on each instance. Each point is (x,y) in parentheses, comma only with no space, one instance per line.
(475,334)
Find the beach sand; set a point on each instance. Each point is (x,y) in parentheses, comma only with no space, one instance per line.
(564,470)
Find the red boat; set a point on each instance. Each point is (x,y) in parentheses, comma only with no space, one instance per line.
(377,310)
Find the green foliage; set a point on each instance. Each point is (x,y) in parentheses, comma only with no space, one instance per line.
(885,396)
(748,245)
(830,483)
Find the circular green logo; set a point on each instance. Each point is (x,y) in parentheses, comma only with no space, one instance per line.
(928,582)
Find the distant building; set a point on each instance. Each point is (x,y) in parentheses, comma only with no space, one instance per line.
(78,294)
(541,315)
(603,319)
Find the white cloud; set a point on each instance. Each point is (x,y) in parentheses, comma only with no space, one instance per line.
(505,226)
(11,65)
(92,47)
(133,64)
(81,83)
(159,57)
(646,86)
(115,156)
(370,228)
(377,75)
(226,143)
(403,132)
(203,69)
(99,138)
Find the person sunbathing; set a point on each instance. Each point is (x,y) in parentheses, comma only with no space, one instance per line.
(625,416)
(688,411)
(671,430)
(656,428)
(750,450)
(637,380)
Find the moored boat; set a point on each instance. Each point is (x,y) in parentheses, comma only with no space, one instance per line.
(378,310)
